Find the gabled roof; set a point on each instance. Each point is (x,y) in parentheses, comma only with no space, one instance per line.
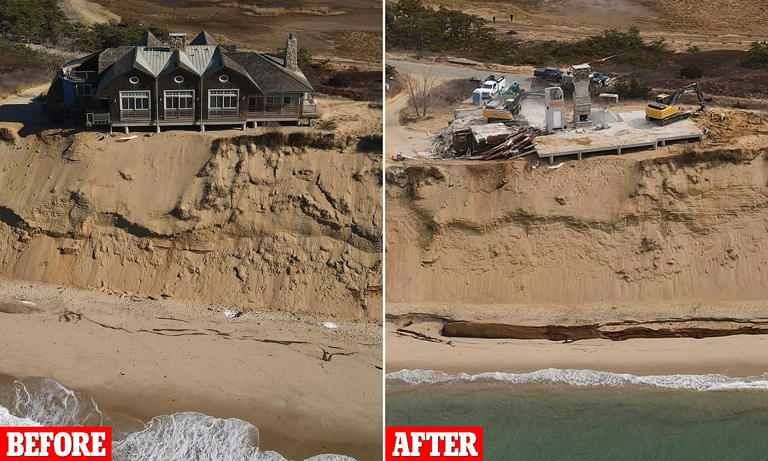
(121,66)
(200,58)
(203,38)
(202,55)
(111,55)
(79,61)
(270,73)
(153,60)
(148,39)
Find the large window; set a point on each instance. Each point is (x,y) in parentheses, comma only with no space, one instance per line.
(273,101)
(179,104)
(134,100)
(223,104)
(255,103)
(222,99)
(180,99)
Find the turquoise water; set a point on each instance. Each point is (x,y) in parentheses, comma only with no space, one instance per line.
(564,422)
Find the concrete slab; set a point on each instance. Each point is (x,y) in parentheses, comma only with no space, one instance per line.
(633,131)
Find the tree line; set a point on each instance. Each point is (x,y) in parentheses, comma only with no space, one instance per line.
(44,22)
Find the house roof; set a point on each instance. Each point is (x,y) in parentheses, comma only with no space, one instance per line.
(78,61)
(199,57)
(111,55)
(203,38)
(148,39)
(270,73)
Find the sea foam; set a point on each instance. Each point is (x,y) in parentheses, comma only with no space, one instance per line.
(585,378)
(180,436)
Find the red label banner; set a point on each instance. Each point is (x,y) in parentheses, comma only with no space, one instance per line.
(55,443)
(433,443)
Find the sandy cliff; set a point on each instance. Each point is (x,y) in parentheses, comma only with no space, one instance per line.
(265,221)
(681,226)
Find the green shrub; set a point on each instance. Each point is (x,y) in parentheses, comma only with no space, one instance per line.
(40,21)
(757,56)
(691,71)
(632,89)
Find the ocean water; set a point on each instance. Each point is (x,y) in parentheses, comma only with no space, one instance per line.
(588,415)
(181,436)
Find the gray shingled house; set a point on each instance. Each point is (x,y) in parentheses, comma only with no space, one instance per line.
(156,84)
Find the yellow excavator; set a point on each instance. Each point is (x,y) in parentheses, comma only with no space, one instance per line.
(500,110)
(664,109)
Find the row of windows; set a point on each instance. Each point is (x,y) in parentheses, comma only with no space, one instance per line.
(217,99)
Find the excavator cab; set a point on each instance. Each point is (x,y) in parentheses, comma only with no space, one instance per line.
(663,108)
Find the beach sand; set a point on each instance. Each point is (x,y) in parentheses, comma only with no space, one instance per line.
(738,355)
(143,358)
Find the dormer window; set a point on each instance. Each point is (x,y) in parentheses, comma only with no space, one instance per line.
(178,79)
(223,78)
(133,80)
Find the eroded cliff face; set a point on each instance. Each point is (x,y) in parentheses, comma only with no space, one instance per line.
(684,226)
(272,221)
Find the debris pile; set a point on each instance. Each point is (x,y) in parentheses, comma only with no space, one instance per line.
(443,143)
(509,146)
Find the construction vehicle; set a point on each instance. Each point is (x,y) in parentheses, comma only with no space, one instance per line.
(502,110)
(664,108)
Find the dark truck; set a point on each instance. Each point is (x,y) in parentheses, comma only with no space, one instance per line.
(550,74)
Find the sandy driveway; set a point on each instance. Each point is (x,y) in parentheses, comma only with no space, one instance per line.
(408,142)
(22,108)
(87,12)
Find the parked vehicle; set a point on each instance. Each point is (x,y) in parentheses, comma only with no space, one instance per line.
(599,78)
(550,74)
(492,85)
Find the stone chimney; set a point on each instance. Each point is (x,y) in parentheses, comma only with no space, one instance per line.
(292,53)
(177,41)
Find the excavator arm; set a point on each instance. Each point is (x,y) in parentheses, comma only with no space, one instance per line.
(672,100)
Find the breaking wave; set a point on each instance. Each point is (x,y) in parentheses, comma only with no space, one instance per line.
(180,436)
(585,378)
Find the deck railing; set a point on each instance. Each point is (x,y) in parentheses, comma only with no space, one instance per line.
(135,114)
(179,114)
(222,114)
(290,110)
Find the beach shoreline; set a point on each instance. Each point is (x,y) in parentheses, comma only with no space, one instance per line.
(733,356)
(140,357)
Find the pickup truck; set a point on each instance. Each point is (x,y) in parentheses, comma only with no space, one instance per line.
(492,85)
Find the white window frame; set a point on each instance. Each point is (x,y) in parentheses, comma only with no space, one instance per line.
(187,94)
(140,94)
(178,79)
(133,80)
(228,92)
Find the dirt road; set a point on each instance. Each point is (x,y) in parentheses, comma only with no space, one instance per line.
(408,142)
(87,12)
(399,139)
(22,108)
(448,71)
